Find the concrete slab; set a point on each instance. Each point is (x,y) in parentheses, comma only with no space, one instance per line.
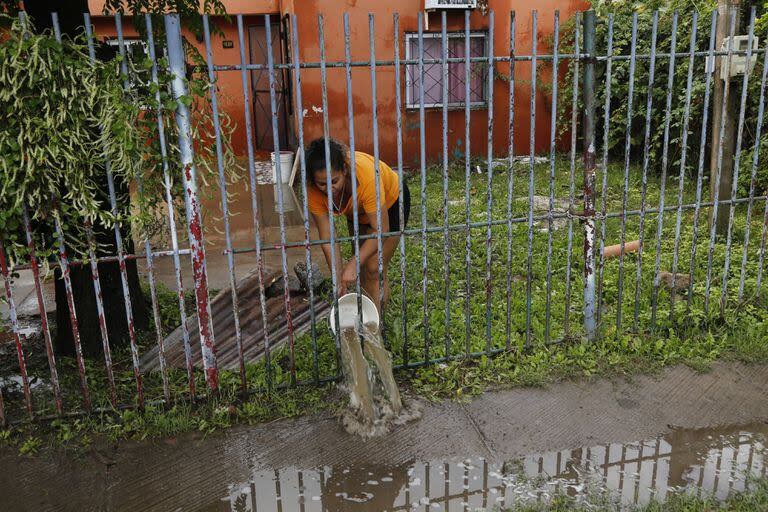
(25,297)
(242,235)
(579,413)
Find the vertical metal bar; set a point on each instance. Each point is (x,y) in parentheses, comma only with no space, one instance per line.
(329,194)
(65,272)
(100,310)
(15,328)
(2,409)
(64,265)
(699,177)
(376,163)
(532,143)
(510,172)
(118,235)
(254,201)
(95,269)
(467,187)
(279,187)
(147,245)
(755,160)
(625,193)
(224,202)
(646,158)
(718,173)
(120,251)
(303,164)
(177,65)
(488,234)
(399,122)
(43,313)
(589,174)
(56,27)
(664,167)
(683,155)
(552,139)
(736,165)
(762,250)
(572,172)
(353,163)
(171,213)
(423,162)
(604,188)
(446,239)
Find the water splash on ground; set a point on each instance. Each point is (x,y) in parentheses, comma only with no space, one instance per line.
(375,402)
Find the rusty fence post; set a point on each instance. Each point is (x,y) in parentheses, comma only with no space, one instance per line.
(588,92)
(177,65)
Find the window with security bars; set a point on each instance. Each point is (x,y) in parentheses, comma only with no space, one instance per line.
(433,72)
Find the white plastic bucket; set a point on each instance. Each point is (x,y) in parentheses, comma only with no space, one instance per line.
(348,312)
(286,165)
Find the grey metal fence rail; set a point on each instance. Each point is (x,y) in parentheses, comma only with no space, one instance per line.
(507,233)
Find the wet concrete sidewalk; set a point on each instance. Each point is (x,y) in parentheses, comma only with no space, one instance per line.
(640,438)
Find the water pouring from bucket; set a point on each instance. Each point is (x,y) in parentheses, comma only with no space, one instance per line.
(375,403)
(348,317)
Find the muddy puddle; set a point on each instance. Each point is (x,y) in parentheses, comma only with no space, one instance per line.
(708,462)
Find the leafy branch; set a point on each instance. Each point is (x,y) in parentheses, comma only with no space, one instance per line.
(63,117)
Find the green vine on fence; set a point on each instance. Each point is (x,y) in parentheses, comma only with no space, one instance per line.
(62,117)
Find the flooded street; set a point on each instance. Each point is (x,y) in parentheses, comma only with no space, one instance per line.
(705,461)
(635,440)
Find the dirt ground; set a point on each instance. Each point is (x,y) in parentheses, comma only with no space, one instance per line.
(196,473)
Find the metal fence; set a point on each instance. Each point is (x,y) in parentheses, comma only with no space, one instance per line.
(497,253)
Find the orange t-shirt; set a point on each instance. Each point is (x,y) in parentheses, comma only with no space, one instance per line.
(389,190)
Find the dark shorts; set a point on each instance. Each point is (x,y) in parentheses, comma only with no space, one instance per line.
(394,211)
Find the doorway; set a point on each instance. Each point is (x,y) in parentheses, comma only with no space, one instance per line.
(262,113)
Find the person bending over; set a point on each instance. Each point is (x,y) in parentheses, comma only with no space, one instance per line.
(340,184)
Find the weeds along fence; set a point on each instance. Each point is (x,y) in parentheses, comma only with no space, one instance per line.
(505,251)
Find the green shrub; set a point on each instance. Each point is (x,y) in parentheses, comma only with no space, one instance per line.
(619,104)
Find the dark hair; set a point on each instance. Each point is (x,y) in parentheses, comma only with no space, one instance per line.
(315,157)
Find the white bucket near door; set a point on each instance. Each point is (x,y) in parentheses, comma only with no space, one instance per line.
(286,164)
(289,198)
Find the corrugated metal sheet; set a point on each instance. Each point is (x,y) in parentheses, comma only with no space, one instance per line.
(251,324)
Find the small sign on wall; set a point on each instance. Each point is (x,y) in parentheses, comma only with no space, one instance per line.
(228,44)
(450,4)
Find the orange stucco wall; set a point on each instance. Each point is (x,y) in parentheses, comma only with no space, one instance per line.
(307,11)
(230,90)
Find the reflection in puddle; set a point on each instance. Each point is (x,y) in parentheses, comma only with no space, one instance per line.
(708,462)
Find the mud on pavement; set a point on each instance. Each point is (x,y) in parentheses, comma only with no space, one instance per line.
(640,438)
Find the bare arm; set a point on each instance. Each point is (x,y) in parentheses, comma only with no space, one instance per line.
(323,224)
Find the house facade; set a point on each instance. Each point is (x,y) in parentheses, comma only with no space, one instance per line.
(226,51)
